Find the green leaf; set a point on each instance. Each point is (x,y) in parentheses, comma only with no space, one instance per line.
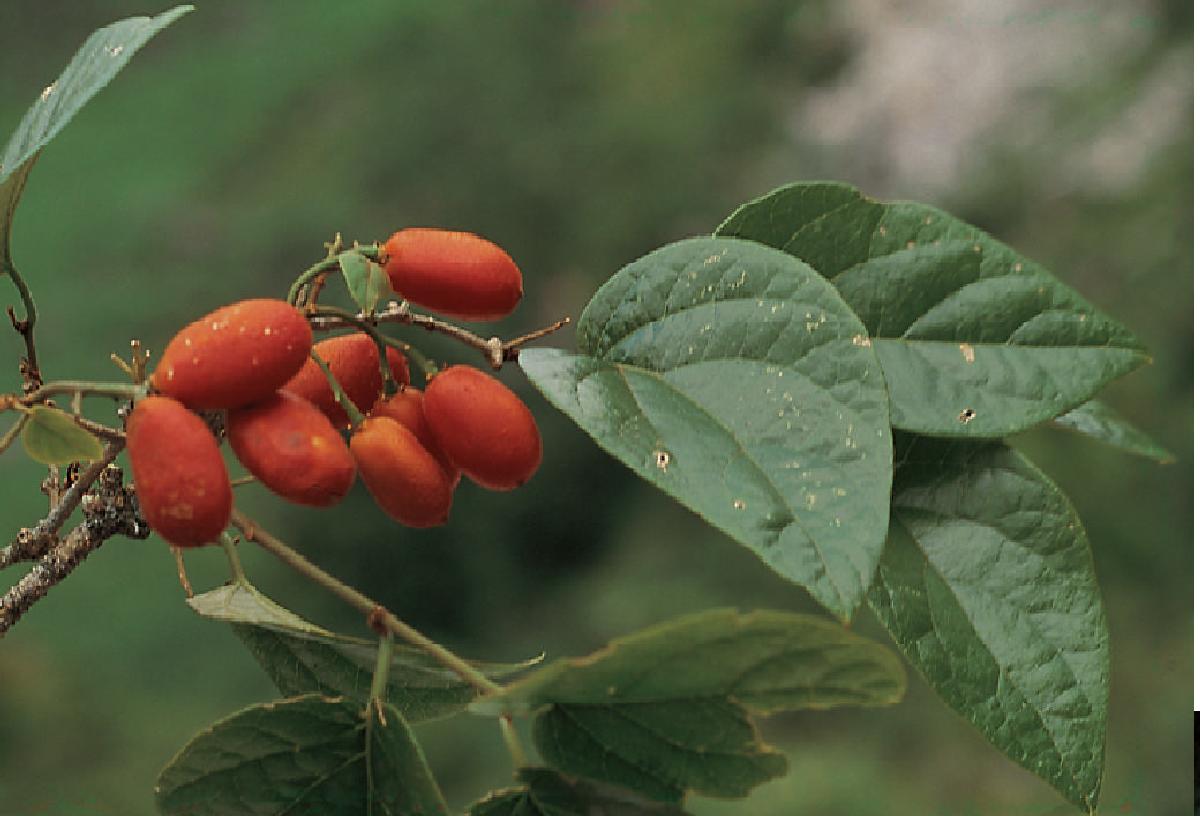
(51,437)
(102,55)
(365,279)
(241,603)
(301,658)
(305,755)
(987,585)
(975,339)
(734,378)
(546,793)
(1096,420)
(667,710)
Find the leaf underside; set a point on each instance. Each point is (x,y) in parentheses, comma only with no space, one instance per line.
(546,793)
(974,339)
(301,658)
(50,436)
(733,377)
(988,587)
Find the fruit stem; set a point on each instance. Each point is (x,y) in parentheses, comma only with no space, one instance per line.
(355,415)
(375,611)
(13,432)
(428,367)
(390,385)
(235,562)
(323,266)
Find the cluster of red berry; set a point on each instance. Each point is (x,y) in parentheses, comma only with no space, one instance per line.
(252,359)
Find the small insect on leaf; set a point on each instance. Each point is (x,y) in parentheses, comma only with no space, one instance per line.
(52,438)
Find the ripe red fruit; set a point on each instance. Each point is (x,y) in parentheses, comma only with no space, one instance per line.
(353,359)
(293,449)
(181,482)
(234,356)
(407,407)
(455,273)
(483,427)
(405,480)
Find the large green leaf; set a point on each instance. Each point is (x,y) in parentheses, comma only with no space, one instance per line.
(733,377)
(975,340)
(1097,421)
(50,436)
(667,710)
(308,755)
(988,587)
(546,793)
(97,61)
(301,658)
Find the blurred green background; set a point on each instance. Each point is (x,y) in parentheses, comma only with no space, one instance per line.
(581,135)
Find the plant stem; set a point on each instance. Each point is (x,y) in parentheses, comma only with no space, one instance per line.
(327,265)
(383,666)
(235,563)
(363,604)
(85,387)
(493,349)
(427,366)
(512,741)
(352,412)
(367,327)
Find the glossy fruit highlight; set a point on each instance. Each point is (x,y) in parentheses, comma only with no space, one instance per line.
(457,274)
(405,480)
(483,427)
(292,448)
(181,482)
(353,359)
(236,355)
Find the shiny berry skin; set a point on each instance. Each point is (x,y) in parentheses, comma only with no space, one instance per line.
(353,360)
(292,448)
(181,482)
(405,480)
(234,356)
(457,274)
(483,427)
(407,407)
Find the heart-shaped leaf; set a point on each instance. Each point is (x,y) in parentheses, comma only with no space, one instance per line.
(305,755)
(302,658)
(546,793)
(734,378)
(667,710)
(987,585)
(365,279)
(975,340)
(50,436)
(1097,421)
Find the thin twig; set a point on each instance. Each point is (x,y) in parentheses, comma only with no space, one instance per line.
(493,349)
(363,604)
(97,429)
(53,567)
(96,389)
(32,543)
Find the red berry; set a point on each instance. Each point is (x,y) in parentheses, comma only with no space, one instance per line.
(483,427)
(405,480)
(407,407)
(353,360)
(234,356)
(181,482)
(457,274)
(293,449)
